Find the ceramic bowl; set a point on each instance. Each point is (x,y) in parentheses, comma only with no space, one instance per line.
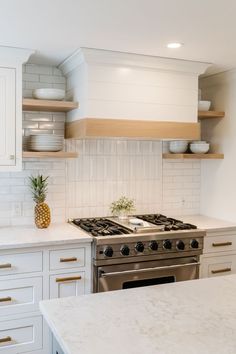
(178,147)
(49,94)
(200,148)
(204,105)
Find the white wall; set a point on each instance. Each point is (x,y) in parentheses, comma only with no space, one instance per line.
(104,170)
(218,182)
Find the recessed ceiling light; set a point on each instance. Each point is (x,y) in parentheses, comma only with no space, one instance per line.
(174,45)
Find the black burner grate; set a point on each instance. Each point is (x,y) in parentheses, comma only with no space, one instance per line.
(170,224)
(101,227)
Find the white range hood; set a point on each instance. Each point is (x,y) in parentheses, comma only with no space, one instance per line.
(131,95)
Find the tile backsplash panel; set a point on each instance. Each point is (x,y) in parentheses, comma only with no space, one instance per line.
(107,169)
(104,170)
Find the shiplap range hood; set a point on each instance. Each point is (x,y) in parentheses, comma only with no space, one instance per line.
(132,96)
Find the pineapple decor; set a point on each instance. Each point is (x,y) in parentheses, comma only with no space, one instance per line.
(42,213)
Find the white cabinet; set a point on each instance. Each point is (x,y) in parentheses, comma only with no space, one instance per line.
(219,254)
(30,275)
(67,284)
(21,335)
(20,295)
(7,116)
(11,60)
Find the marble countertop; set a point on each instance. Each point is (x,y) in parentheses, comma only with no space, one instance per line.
(30,236)
(191,317)
(207,223)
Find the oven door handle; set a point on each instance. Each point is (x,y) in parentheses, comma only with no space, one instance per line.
(103,274)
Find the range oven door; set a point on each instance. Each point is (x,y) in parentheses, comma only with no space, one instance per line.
(131,275)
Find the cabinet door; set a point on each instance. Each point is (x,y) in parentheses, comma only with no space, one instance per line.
(67,284)
(7,117)
(216,266)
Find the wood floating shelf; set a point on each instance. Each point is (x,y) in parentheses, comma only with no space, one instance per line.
(30,104)
(193,156)
(48,154)
(210,114)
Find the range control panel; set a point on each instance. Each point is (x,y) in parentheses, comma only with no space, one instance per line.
(151,247)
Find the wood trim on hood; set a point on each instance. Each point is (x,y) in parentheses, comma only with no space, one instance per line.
(117,128)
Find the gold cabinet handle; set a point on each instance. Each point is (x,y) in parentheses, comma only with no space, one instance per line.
(220,244)
(223,270)
(5,299)
(5,339)
(71,259)
(6,265)
(60,280)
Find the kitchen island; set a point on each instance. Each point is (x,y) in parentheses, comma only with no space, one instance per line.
(191,317)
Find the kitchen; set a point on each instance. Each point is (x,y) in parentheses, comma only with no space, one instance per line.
(148,212)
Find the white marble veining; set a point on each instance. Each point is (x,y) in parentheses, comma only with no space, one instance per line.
(191,317)
(208,224)
(30,236)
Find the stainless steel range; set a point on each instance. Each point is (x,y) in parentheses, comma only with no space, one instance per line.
(143,250)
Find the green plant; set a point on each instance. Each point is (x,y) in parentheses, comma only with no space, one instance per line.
(123,204)
(38,186)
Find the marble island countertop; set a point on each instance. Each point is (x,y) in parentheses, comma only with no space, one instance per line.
(191,317)
(30,236)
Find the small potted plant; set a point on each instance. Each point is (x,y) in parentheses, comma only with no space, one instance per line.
(42,215)
(122,207)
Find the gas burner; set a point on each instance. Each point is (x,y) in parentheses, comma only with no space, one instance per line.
(170,224)
(101,227)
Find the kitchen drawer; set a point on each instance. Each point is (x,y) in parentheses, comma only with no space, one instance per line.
(67,258)
(20,295)
(22,335)
(21,263)
(216,266)
(67,284)
(220,243)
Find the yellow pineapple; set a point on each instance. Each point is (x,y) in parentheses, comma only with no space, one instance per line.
(42,213)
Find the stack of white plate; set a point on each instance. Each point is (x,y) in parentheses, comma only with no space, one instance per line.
(45,142)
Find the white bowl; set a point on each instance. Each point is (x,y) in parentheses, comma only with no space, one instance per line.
(49,94)
(178,147)
(204,105)
(200,148)
(199,142)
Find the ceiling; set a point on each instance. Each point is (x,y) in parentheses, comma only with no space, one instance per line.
(56,28)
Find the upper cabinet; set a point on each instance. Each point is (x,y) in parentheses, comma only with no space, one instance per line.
(133,96)
(7,117)
(11,60)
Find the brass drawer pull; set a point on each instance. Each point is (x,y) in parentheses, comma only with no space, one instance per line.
(72,259)
(223,270)
(220,244)
(60,280)
(5,299)
(6,265)
(5,339)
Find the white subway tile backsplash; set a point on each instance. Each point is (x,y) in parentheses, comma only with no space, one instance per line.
(52,79)
(38,69)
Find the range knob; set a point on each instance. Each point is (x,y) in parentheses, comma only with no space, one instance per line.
(153,245)
(194,243)
(108,251)
(124,250)
(167,245)
(180,245)
(139,247)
